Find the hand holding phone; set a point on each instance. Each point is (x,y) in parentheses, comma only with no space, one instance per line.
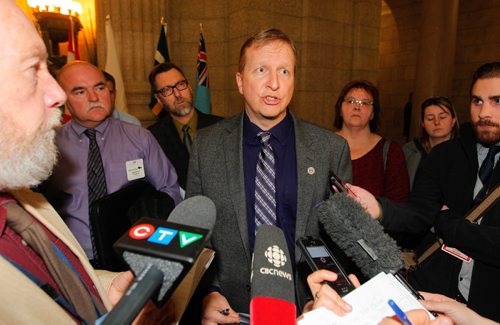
(336,184)
(318,257)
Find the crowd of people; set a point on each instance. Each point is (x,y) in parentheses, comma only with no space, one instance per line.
(262,166)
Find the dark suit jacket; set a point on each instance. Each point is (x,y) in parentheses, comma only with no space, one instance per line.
(448,176)
(216,171)
(167,136)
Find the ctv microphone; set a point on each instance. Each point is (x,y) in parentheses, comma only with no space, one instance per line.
(160,253)
(273,289)
(359,236)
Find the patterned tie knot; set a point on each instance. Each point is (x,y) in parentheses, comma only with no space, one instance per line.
(264,138)
(487,166)
(494,150)
(185,128)
(90,133)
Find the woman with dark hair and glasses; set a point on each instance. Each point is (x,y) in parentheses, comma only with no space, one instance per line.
(378,165)
(439,123)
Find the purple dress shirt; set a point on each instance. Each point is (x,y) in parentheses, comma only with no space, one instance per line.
(118,143)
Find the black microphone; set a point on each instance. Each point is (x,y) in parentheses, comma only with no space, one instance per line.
(273,289)
(359,236)
(160,253)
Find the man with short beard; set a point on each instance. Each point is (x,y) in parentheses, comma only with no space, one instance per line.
(451,182)
(128,152)
(175,95)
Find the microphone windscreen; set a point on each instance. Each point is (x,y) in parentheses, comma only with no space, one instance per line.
(197,211)
(359,236)
(272,273)
(171,270)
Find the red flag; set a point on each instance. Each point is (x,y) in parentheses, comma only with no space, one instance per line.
(73,53)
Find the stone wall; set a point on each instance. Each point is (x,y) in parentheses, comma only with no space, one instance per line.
(337,40)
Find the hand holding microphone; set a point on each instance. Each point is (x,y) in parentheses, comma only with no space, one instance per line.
(366,200)
(362,196)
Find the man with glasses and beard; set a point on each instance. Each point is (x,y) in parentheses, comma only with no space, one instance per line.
(176,131)
(457,175)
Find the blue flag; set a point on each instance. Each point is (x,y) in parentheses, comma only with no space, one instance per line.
(202,92)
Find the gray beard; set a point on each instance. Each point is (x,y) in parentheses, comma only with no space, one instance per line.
(27,162)
(181,112)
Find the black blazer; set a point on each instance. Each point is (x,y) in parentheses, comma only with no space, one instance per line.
(167,136)
(448,176)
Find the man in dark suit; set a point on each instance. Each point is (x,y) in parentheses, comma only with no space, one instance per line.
(175,95)
(225,164)
(453,178)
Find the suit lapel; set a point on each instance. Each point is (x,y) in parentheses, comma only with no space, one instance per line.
(306,179)
(233,159)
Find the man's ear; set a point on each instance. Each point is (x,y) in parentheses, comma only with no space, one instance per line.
(239,82)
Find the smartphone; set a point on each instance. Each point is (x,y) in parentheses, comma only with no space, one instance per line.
(336,184)
(244,318)
(319,257)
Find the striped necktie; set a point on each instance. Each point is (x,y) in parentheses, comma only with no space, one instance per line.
(96,178)
(487,166)
(265,188)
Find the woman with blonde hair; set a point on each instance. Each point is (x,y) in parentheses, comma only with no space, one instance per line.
(439,123)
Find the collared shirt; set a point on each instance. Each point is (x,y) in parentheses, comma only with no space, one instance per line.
(193,126)
(283,144)
(118,143)
(13,247)
(465,275)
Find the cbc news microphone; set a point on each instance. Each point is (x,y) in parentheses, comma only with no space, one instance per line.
(359,236)
(160,253)
(273,289)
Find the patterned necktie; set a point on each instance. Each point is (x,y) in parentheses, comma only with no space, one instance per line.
(487,166)
(96,178)
(63,274)
(265,188)
(187,138)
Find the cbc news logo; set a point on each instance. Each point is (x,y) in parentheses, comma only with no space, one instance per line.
(275,256)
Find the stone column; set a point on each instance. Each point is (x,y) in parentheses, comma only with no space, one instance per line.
(436,54)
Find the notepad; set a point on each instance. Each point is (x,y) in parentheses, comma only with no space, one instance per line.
(369,303)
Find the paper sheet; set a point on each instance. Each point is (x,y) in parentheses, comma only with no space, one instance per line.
(369,303)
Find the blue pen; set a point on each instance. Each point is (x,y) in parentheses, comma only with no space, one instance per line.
(399,313)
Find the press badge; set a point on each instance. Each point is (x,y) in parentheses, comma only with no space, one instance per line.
(455,252)
(135,169)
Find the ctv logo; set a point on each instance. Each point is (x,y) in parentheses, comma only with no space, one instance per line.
(162,235)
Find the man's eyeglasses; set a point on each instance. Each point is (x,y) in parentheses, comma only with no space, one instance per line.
(169,90)
(361,102)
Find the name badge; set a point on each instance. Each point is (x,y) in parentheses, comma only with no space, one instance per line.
(135,169)
(456,253)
